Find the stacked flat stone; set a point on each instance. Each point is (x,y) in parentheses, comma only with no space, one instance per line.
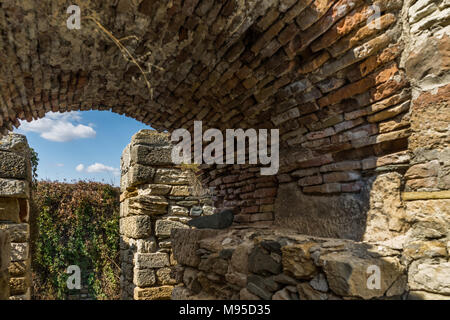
(15,180)
(156,197)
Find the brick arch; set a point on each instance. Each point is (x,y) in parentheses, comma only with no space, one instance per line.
(316,70)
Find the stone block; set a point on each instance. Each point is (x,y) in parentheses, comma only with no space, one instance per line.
(348,274)
(13,165)
(137,174)
(9,210)
(14,188)
(151,156)
(163,228)
(19,251)
(155,293)
(178,211)
(166,276)
(172,176)
(16,143)
(18,232)
(151,260)
(151,138)
(182,191)
(137,227)
(262,262)
(144,277)
(19,268)
(19,285)
(154,189)
(147,205)
(297,260)
(430,276)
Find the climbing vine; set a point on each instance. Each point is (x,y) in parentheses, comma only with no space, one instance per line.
(78,224)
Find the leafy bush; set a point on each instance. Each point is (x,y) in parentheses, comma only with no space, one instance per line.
(77,224)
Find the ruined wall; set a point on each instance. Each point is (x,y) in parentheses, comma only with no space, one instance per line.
(15,186)
(156,196)
(278,264)
(427,182)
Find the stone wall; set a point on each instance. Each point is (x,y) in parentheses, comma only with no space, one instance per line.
(277,264)
(427,181)
(156,196)
(15,188)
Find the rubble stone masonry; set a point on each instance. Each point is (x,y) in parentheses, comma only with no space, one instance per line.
(15,186)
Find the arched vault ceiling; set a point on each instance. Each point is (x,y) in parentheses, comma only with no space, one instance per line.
(231,63)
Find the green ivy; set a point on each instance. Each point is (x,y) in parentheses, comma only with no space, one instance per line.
(78,224)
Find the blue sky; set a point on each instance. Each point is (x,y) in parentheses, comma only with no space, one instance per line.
(80,145)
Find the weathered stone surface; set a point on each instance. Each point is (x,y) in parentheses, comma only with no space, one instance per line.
(9,210)
(430,277)
(151,156)
(19,285)
(307,292)
(319,283)
(137,227)
(386,217)
(257,286)
(172,176)
(263,262)
(296,260)
(14,188)
(348,274)
(147,205)
(137,174)
(151,260)
(13,165)
(185,244)
(178,210)
(182,191)
(19,268)
(18,232)
(19,251)
(155,293)
(14,142)
(344,218)
(144,277)
(165,276)
(163,228)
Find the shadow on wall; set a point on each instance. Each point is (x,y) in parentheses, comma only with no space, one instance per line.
(375,213)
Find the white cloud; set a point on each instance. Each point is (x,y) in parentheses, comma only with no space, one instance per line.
(98,168)
(60,164)
(59,127)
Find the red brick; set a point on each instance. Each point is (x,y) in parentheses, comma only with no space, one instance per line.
(267,192)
